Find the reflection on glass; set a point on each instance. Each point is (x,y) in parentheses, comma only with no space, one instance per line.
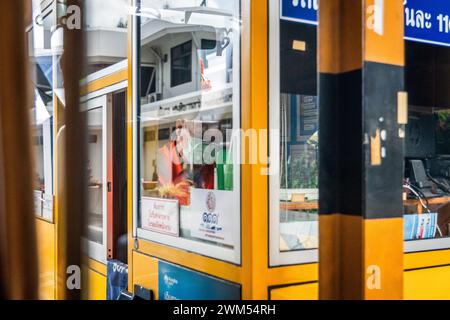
(95,174)
(42,73)
(189,103)
(427,142)
(105,36)
(299,115)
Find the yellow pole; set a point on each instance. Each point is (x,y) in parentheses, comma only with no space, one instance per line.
(18,260)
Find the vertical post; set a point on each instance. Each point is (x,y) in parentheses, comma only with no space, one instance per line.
(129,140)
(71,215)
(361,150)
(18,259)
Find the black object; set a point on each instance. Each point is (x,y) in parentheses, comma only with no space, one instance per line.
(427,71)
(298,69)
(418,174)
(140,293)
(419,179)
(143,293)
(420,137)
(439,167)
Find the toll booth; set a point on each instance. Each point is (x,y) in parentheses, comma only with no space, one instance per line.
(235,144)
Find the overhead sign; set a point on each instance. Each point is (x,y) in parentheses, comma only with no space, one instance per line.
(161,215)
(425,21)
(212,215)
(304,11)
(428,21)
(177,283)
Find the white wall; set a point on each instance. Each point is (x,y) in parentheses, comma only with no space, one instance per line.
(105,13)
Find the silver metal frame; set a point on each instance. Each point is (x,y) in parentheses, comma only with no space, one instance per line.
(276,257)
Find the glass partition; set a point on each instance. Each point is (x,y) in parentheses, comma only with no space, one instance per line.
(427,147)
(294,124)
(189,112)
(42,75)
(105,35)
(96,174)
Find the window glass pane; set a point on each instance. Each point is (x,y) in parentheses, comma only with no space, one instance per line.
(299,125)
(96,174)
(42,75)
(294,118)
(105,33)
(188,181)
(181,64)
(427,143)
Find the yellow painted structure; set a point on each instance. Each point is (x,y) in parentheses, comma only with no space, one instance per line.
(94,273)
(426,276)
(95,277)
(46,259)
(257,279)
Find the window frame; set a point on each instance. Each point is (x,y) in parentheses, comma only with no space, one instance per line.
(47,128)
(46,196)
(432,244)
(93,249)
(180,57)
(278,258)
(232,256)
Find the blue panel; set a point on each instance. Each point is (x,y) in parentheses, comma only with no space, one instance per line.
(425,20)
(428,21)
(117,279)
(304,11)
(177,283)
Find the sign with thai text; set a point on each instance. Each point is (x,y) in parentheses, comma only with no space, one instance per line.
(425,21)
(161,215)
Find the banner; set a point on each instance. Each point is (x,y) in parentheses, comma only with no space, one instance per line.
(425,20)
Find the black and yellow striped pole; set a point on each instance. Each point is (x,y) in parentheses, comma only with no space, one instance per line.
(361,64)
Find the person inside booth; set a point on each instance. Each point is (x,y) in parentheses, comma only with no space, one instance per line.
(181,166)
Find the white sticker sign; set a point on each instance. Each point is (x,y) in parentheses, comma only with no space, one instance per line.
(38,203)
(212,213)
(47,207)
(161,215)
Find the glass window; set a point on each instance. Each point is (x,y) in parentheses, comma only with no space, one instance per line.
(106,39)
(96,175)
(189,193)
(427,147)
(294,122)
(42,75)
(181,64)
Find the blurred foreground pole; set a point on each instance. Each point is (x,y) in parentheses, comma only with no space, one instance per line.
(71,216)
(18,260)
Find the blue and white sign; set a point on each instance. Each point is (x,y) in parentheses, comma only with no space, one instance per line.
(212,219)
(117,279)
(426,21)
(304,11)
(177,283)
